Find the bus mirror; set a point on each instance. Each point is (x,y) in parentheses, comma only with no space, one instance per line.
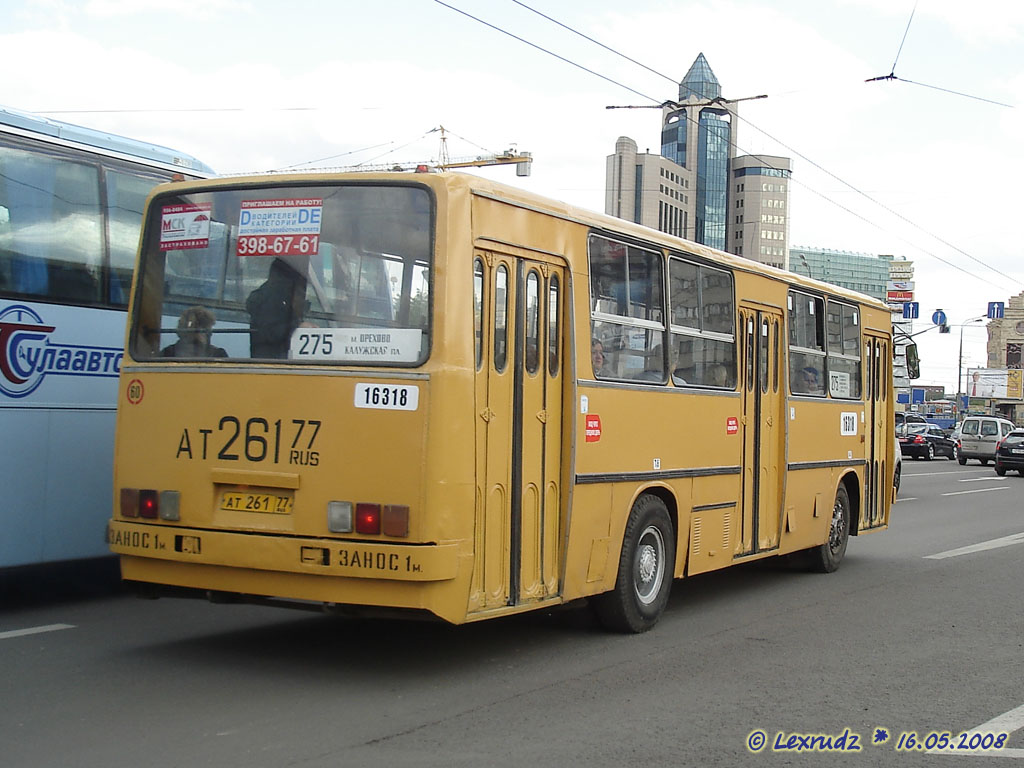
(913,362)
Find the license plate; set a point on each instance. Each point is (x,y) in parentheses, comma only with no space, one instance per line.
(257,501)
(1017,450)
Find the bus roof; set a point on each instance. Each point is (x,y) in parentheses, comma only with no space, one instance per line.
(534,201)
(25,123)
(530,199)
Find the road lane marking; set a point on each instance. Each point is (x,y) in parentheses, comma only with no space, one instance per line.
(911,473)
(1005,541)
(34,630)
(1008,722)
(980,490)
(983,479)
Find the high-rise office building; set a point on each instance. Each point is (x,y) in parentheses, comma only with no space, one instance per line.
(698,188)
(759,209)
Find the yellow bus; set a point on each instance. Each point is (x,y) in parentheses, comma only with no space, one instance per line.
(439,394)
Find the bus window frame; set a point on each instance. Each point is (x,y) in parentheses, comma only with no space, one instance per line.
(699,331)
(150,245)
(629,324)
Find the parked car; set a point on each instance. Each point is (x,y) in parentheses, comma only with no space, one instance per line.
(979,435)
(926,441)
(1010,453)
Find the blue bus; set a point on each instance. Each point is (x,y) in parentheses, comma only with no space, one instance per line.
(71,202)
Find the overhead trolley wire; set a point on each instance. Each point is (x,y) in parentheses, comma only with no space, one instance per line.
(545,50)
(892,72)
(905,33)
(860,192)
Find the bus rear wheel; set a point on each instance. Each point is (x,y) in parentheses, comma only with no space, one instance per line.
(827,557)
(646,566)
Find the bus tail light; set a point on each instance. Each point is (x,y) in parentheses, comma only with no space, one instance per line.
(339,516)
(367,518)
(150,504)
(170,505)
(395,520)
(129,502)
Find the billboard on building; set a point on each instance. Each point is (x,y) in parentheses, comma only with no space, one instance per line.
(994,383)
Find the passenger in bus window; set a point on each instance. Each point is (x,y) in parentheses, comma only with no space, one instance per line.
(718,376)
(810,383)
(275,310)
(194,330)
(597,358)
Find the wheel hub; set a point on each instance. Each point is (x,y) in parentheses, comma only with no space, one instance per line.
(648,563)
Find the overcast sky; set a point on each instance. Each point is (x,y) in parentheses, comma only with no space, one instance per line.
(891,167)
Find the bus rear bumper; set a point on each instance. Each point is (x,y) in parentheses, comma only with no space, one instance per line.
(253,550)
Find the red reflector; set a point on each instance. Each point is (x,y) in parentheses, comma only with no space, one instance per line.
(129,502)
(368,518)
(148,506)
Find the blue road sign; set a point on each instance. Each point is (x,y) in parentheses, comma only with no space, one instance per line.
(939,317)
(995,310)
(911,310)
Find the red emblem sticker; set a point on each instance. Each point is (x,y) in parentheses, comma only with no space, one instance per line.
(135,391)
(593,429)
(732,425)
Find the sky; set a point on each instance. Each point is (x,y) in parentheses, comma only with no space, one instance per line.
(927,166)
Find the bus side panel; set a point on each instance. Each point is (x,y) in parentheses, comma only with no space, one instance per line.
(57,405)
(661,432)
(815,438)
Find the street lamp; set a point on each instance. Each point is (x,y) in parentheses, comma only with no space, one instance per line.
(960,361)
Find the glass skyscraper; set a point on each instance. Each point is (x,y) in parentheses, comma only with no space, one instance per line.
(697,187)
(708,129)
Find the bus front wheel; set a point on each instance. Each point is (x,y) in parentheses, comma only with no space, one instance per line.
(646,565)
(826,558)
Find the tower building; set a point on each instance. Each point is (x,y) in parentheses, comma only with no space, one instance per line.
(698,188)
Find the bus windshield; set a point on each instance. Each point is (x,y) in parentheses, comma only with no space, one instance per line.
(309,274)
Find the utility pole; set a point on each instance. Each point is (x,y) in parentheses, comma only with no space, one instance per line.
(960,364)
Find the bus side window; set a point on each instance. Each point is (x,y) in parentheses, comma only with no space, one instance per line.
(500,318)
(554,329)
(53,230)
(478,311)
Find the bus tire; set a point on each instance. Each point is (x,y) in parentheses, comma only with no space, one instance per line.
(646,567)
(827,557)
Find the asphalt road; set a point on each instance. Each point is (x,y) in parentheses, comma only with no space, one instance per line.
(913,634)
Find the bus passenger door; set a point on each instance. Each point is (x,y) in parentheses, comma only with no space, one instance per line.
(876,395)
(519,430)
(762,426)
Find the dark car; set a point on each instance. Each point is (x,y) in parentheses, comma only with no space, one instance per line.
(1010,453)
(926,441)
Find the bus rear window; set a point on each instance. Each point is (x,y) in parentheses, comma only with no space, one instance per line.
(318,274)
